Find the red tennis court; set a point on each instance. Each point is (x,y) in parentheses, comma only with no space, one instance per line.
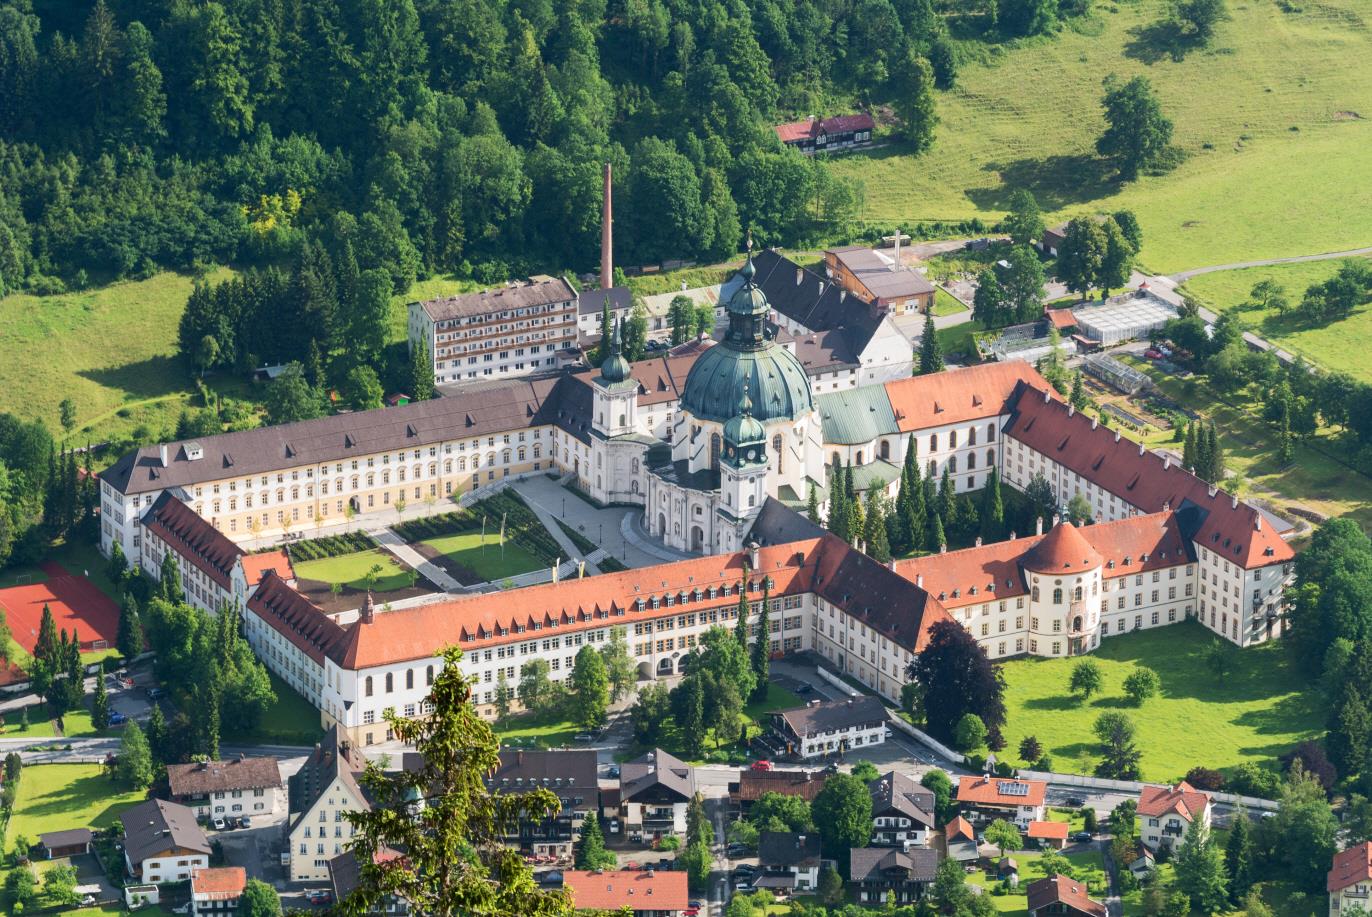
(75,601)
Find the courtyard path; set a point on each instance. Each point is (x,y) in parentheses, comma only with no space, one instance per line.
(435,574)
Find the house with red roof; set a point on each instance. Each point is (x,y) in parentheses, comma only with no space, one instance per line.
(1060,896)
(960,840)
(838,134)
(1048,834)
(987,797)
(1350,880)
(647,893)
(1165,812)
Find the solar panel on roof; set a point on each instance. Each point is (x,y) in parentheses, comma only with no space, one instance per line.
(1012,788)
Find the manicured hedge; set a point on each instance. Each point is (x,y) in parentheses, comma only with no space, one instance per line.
(331,546)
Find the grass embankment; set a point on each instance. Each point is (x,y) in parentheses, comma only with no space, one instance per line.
(1339,346)
(1272,120)
(291,720)
(946,303)
(1260,709)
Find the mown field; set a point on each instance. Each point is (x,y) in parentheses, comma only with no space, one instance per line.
(1258,711)
(112,350)
(1273,120)
(1340,346)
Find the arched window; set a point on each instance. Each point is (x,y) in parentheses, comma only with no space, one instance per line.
(1057,596)
(776,450)
(447,466)
(859,457)
(990,457)
(1035,596)
(933,468)
(952,464)
(952,439)
(429,675)
(837,462)
(971,460)
(461,464)
(621,420)
(409,679)
(971,436)
(885,449)
(714,451)
(933,442)
(1076,594)
(390,682)
(635,466)
(367,686)
(990,432)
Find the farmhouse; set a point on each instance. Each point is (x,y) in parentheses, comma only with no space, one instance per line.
(1166,812)
(831,727)
(1059,896)
(238,786)
(1019,801)
(879,279)
(892,877)
(216,890)
(791,856)
(902,811)
(829,135)
(646,893)
(162,842)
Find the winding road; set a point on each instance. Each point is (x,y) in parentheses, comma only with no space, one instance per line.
(1183,276)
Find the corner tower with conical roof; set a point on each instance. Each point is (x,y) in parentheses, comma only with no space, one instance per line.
(1063,571)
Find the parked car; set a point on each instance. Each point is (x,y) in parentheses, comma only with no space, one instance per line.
(745,869)
(319,896)
(245,822)
(736,850)
(117,718)
(232,822)
(1083,837)
(1153,353)
(763,765)
(691,912)
(805,688)
(613,772)
(582,737)
(155,693)
(1075,801)
(88,901)
(218,824)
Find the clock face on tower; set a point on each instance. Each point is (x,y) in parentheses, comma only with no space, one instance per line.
(752,454)
(731,452)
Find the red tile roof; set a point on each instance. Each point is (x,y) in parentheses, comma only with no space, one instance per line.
(1062,319)
(1049,830)
(192,538)
(992,572)
(1182,799)
(981,790)
(796,131)
(638,891)
(959,395)
(959,827)
(295,617)
(848,579)
(1143,479)
(1062,550)
(1352,866)
(1062,890)
(255,565)
(219,883)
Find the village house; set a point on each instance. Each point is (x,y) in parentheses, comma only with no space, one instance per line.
(1050,835)
(989,798)
(321,793)
(654,793)
(1350,880)
(570,775)
(753,784)
(1059,896)
(162,842)
(790,856)
(891,877)
(960,840)
(69,843)
(880,279)
(238,786)
(345,872)
(1165,813)
(216,890)
(838,134)
(902,811)
(646,893)
(831,727)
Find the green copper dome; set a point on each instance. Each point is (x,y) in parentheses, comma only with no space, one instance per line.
(747,357)
(615,368)
(742,429)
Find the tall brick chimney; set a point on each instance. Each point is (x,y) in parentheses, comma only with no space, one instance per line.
(607,258)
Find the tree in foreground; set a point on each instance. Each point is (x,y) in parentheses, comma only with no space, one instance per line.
(590,847)
(590,688)
(1086,679)
(1138,133)
(1024,222)
(134,764)
(843,814)
(941,785)
(930,352)
(1030,749)
(455,862)
(970,733)
(1239,855)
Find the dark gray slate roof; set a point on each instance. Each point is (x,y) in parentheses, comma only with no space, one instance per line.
(897,792)
(537,291)
(828,716)
(787,848)
(878,864)
(157,826)
(657,771)
(810,298)
(777,523)
(589,301)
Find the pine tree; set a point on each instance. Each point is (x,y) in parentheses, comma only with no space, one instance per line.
(812,506)
(169,581)
(875,534)
(930,352)
(1238,858)
(1215,455)
(741,626)
(100,704)
(157,732)
(1200,870)
(916,510)
(129,639)
(421,374)
(992,508)
(857,521)
(1188,452)
(946,497)
(692,725)
(1286,444)
(1201,455)
(838,508)
(849,492)
(1078,397)
(590,849)
(762,648)
(935,538)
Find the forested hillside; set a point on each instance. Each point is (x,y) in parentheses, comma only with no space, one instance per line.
(458,136)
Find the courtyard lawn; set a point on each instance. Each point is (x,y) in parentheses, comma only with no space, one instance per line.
(946,303)
(536,730)
(351,570)
(956,342)
(292,720)
(1260,710)
(53,797)
(1271,121)
(76,723)
(490,561)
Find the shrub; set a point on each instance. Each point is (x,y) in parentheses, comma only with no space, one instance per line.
(1204,778)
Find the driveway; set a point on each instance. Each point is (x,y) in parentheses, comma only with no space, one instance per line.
(1183,276)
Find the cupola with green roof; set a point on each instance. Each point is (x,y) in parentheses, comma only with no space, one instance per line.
(745,439)
(747,356)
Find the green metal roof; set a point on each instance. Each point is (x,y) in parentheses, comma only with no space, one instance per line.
(856,415)
(875,474)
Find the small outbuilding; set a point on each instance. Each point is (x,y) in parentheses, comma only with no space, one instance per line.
(69,843)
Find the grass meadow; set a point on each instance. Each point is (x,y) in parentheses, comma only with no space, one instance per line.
(54,797)
(1257,712)
(1272,120)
